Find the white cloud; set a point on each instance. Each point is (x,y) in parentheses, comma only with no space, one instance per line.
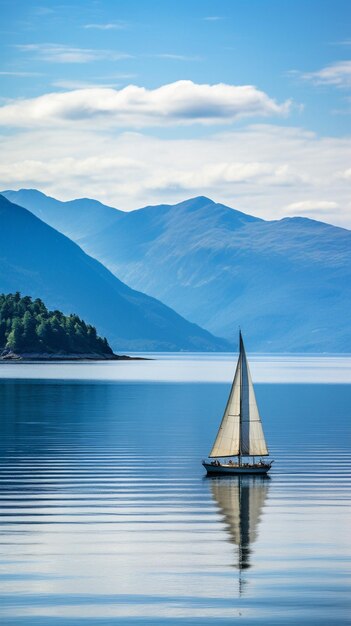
(108,26)
(182,102)
(20,74)
(175,57)
(213,18)
(346,174)
(69,167)
(80,84)
(226,172)
(311,207)
(59,53)
(338,74)
(265,170)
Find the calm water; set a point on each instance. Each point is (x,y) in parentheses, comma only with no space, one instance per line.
(106,517)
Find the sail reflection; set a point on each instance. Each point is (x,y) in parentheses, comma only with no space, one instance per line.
(241,500)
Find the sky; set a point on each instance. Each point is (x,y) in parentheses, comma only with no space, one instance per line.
(145,102)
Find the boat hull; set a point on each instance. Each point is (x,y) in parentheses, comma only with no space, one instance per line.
(234,470)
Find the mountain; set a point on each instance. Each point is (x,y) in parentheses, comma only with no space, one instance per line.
(37,260)
(75,218)
(285,282)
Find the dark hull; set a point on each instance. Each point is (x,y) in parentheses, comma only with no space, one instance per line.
(235,470)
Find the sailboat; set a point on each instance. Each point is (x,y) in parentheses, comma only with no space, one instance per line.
(240,433)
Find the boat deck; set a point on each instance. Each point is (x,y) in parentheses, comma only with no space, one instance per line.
(234,468)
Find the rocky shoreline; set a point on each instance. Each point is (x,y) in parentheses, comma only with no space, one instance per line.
(9,355)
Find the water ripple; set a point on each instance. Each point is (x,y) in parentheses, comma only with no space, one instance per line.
(106,517)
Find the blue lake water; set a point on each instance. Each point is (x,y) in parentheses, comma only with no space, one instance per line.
(106,516)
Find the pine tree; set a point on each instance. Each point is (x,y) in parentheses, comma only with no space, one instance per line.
(14,339)
(30,339)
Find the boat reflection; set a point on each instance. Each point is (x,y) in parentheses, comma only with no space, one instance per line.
(241,500)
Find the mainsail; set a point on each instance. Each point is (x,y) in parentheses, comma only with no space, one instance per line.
(240,432)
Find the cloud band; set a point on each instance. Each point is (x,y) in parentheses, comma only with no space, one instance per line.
(179,103)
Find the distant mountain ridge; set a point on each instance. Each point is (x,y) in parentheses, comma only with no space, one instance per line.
(286,282)
(75,218)
(37,260)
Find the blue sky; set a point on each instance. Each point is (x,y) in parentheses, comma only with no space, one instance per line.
(294,57)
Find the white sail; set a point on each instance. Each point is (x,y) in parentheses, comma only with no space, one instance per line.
(240,431)
(227,442)
(251,435)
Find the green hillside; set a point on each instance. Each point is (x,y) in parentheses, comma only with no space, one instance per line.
(26,326)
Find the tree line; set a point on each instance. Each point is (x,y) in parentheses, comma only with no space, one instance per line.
(26,325)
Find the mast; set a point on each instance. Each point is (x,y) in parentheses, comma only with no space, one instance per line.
(241,394)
